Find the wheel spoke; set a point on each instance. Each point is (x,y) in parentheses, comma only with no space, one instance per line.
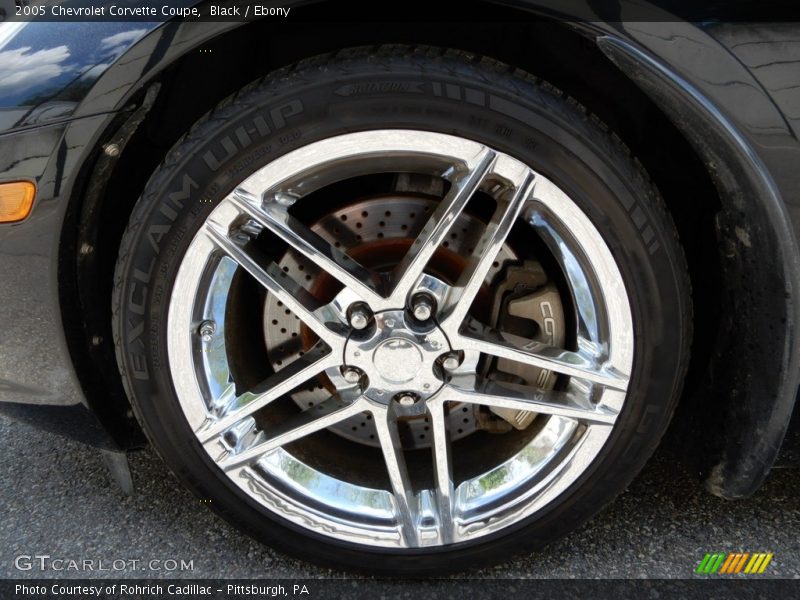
(298,372)
(293,295)
(438,226)
(324,415)
(542,356)
(486,250)
(273,216)
(443,471)
(517,397)
(405,502)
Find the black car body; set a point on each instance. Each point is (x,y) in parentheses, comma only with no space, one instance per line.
(712,108)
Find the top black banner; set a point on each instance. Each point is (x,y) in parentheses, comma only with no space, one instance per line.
(410,10)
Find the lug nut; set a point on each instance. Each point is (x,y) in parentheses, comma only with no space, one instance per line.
(206,330)
(422,307)
(450,362)
(406,399)
(358,316)
(351,374)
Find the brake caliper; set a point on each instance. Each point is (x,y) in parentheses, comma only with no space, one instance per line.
(526,304)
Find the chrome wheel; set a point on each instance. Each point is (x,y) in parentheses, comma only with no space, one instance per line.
(389,352)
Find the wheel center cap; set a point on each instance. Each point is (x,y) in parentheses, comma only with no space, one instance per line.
(398,360)
(398,355)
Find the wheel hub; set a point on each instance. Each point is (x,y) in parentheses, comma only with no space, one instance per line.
(397,360)
(398,356)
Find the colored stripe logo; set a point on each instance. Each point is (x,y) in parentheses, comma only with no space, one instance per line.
(724,563)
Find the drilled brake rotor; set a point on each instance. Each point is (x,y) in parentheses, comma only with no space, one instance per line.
(377,232)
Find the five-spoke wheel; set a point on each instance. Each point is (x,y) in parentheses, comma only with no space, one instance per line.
(399,343)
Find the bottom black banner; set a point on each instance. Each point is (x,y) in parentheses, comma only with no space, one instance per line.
(375,589)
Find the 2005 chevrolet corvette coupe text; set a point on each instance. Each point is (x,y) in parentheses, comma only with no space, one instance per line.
(401,297)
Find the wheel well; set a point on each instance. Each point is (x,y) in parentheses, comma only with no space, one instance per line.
(554,52)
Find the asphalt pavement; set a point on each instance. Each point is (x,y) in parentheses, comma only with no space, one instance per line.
(57,499)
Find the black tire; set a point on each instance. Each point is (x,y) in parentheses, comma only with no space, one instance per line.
(400,87)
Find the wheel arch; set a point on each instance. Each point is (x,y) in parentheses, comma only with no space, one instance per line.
(751,384)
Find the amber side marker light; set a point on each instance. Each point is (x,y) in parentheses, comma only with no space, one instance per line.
(16,200)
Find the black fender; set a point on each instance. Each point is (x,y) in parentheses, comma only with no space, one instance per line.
(721,109)
(749,390)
